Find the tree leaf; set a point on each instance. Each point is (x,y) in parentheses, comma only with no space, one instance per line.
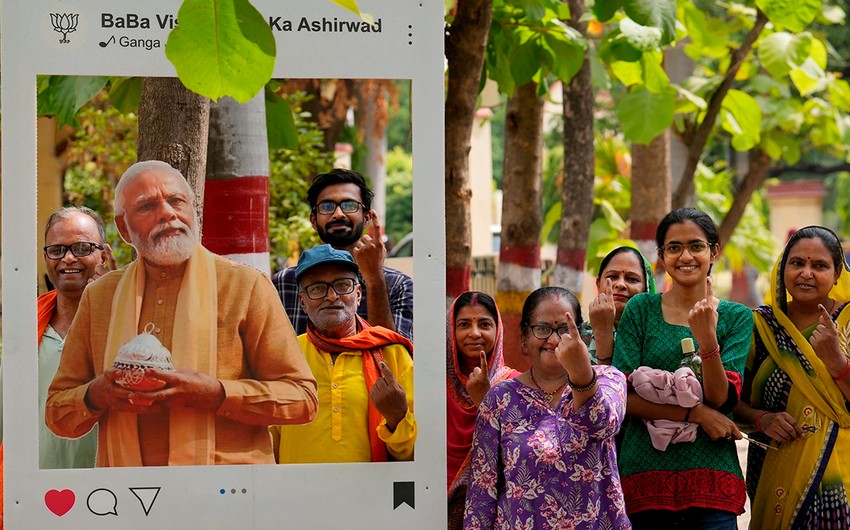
(525,62)
(839,94)
(659,14)
(629,73)
(793,15)
(645,115)
(782,51)
(642,38)
(351,5)
(741,117)
(808,77)
(222,48)
(568,55)
(64,95)
(605,9)
(654,76)
(280,123)
(125,93)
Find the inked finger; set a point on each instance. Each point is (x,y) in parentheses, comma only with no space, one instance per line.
(386,373)
(709,289)
(483,361)
(571,326)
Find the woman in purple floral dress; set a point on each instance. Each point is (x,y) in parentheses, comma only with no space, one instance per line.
(543,452)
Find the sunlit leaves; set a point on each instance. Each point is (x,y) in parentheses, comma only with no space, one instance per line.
(222,48)
(605,9)
(782,51)
(741,117)
(660,14)
(641,38)
(644,115)
(793,15)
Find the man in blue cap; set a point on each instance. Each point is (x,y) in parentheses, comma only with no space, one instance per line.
(364,373)
(341,213)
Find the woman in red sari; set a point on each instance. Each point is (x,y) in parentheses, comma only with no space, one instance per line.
(474,362)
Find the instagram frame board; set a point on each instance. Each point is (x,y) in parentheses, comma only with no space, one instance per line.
(127,38)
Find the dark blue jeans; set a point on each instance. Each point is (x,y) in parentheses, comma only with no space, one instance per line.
(690,519)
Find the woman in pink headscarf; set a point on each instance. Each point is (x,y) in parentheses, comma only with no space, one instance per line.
(474,362)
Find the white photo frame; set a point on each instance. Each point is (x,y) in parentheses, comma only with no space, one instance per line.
(409,46)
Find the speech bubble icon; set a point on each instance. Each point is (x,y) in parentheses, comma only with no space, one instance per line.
(102,502)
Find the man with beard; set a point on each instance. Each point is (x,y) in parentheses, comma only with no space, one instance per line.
(365,373)
(238,365)
(340,206)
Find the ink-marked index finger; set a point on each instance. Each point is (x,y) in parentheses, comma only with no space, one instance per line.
(571,326)
(483,361)
(709,289)
(386,373)
(608,288)
(824,317)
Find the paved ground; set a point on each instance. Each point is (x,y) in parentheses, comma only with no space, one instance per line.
(744,519)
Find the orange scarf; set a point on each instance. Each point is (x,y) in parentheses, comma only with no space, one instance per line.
(46,305)
(369,340)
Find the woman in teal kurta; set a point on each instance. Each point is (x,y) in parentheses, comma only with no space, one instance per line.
(698,483)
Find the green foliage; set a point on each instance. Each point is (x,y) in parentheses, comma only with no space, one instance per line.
(63,95)
(291,171)
(399,215)
(222,48)
(751,243)
(793,15)
(398,129)
(659,14)
(97,155)
(741,117)
(280,121)
(644,115)
(529,41)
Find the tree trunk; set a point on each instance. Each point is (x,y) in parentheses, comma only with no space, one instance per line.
(759,167)
(519,254)
(465,46)
(237,188)
(577,191)
(173,125)
(371,119)
(651,182)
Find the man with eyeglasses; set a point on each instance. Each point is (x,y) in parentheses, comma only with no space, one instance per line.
(340,205)
(364,373)
(75,254)
(238,365)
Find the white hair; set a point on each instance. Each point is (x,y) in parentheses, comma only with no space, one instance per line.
(144,167)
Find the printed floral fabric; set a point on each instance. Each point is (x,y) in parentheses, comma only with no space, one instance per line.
(535,467)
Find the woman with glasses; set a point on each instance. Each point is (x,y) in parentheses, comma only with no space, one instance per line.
(623,273)
(796,389)
(474,363)
(543,451)
(698,484)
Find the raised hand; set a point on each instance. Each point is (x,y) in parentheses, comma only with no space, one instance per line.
(389,398)
(109,265)
(369,252)
(824,341)
(602,312)
(478,384)
(702,319)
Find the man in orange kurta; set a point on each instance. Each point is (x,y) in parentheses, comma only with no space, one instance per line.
(238,365)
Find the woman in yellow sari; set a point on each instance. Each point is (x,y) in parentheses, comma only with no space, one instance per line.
(796,390)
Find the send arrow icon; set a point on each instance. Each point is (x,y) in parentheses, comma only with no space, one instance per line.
(146,496)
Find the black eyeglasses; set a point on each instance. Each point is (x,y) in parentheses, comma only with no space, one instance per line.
(329,207)
(80,249)
(695,248)
(543,332)
(319,290)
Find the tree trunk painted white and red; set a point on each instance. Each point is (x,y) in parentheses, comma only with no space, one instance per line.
(522,220)
(577,189)
(465,44)
(236,217)
(651,189)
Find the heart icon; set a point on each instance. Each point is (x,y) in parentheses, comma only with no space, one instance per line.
(59,502)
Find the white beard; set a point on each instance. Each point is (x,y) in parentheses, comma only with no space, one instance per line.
(166,251)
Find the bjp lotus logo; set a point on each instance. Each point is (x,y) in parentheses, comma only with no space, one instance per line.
(64,23)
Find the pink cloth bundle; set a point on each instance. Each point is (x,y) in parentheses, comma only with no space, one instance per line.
(678,388)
